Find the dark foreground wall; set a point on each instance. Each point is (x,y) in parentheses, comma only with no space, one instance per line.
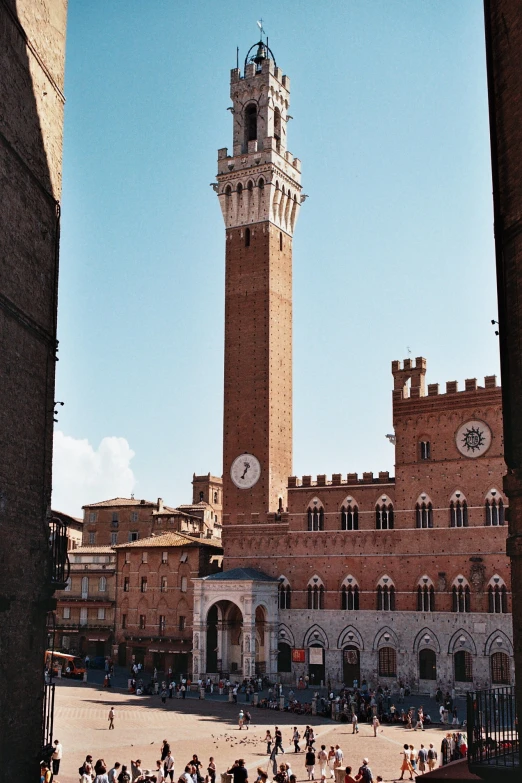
(503,24)
(32,50)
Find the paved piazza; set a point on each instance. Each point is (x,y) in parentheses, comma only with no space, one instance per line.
(208,728)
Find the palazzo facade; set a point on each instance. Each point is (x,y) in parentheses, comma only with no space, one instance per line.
(343,577)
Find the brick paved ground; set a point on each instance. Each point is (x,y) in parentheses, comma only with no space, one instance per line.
(207,728)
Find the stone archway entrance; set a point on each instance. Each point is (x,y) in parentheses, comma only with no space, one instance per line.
(235,624)
(351,665)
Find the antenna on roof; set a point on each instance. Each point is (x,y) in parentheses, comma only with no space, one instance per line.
(132,495)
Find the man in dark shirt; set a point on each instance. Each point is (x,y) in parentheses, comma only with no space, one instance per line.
(239,772)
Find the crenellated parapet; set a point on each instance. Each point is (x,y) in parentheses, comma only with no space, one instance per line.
(337,479)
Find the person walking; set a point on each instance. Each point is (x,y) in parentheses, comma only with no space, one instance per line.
(295,739)
(339,757)
(57,757)
(310,763)
(111,718)
(422,758)
(406,764)
(211,770)
(331,761)
(432,757)
(420,719)
(278,740)
(247,719)
(375,724)
(240,719)
(268,740)
(322,758)
(168,766)
(355,723)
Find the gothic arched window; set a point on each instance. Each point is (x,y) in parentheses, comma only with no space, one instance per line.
(458,510)
(425,598)
(315,517)
(350,517)
(497,596)
(384,516)
(315,593)
(461,595)
(277,127)
(494,508)
(285,594)
(386,595)
(424,512)
(350,596)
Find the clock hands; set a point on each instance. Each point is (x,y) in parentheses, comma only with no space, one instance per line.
(247,465)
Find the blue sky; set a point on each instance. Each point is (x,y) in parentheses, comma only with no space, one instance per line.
(393,249)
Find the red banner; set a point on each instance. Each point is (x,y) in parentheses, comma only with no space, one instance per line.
(298,656)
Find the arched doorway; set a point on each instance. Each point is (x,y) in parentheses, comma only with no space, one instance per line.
(284,658)
(427,665)
(316,668)
(212,641)
(351,665)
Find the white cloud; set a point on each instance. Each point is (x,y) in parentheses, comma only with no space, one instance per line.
(82,474)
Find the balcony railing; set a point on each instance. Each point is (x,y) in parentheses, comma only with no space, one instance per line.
(65,625)
(493,738)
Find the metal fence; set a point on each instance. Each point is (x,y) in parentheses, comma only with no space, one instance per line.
(59,565)
(493,738)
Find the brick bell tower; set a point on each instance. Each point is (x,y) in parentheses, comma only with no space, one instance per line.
(259,189)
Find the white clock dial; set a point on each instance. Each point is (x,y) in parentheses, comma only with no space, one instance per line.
(245,471)
(473,438)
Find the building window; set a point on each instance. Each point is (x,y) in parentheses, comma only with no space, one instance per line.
(163,586)
(350,517)
(315,596)
(201,496)
(114,516)
(66,612)
(463,661)
(92,539)
(425,598)
(182,623)
(215,497)
(102,584)
(247,237)
(142,622)
(350,597)
(500,669)
(184,557)
(127,557)
(133,535)
(285,595)
(494,512)
(162,624)
(461,598)
(114,539)
(164,557)
(134,516)
(458,510)
(425,449)
(85,586)
(385,596)
(250,123)
(126,584)
(387,662)
(83,615)
(124,621)
(384,516)
(497,599)
(316,518)
(427,665)
(101,613)
(424,515)
(144,557)
(68,585)
(143,585)
(92,517)
(184,583)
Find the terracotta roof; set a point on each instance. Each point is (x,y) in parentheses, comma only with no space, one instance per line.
(168,512)
(56,513)
(121,502)
(170,539)
(92,550)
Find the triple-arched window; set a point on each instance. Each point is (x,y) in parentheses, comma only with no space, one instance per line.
(458,510)
(384,515)
(497,596)
(425,595)
(315,593)
(386,595)
(461,596)
(424,512)
(350,594)
(350,516)
(315,516)
(494,508)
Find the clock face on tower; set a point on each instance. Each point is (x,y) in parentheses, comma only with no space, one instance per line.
(245,471)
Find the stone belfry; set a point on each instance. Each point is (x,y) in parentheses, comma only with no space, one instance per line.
(259,189)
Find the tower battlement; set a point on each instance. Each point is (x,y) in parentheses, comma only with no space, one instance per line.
(409,381)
